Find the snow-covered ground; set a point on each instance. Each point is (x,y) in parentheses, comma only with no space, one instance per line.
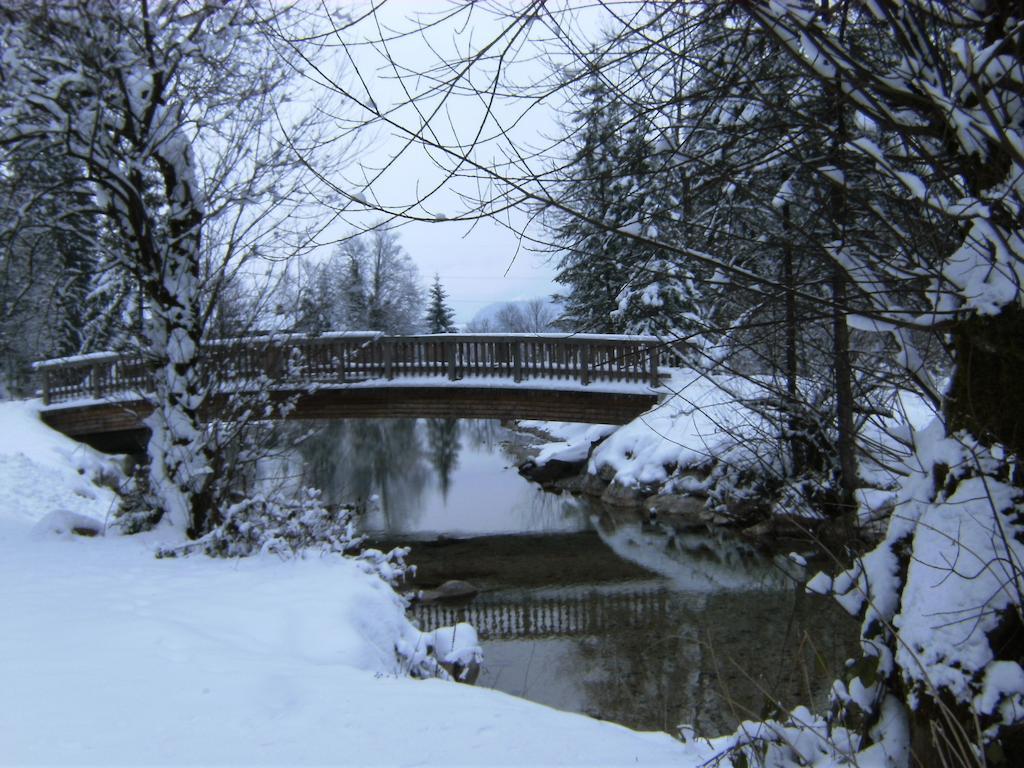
(111,656)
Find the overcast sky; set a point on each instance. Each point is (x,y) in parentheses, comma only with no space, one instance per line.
(478,264)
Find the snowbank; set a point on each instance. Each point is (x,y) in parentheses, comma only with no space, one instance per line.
(690,428)
(113,657)
(41,471)
(715,420)
(574,440)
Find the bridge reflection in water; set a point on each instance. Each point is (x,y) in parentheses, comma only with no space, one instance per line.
(570,615)
(650,656)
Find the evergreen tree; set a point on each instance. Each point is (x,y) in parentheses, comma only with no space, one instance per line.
(355,309)
(48,256)
(440,317)
(593,264)
(659,295)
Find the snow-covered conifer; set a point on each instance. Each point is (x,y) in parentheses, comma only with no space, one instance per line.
(440,317)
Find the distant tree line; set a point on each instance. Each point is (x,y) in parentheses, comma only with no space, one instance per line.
(369,282)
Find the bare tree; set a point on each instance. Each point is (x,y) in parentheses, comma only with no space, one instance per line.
(177,114)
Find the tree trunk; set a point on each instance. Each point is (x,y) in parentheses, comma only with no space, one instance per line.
(180,462)
(986,395)
(178,452)
(846,432)
(795,425)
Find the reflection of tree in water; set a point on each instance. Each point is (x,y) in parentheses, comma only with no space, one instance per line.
(718,659)
(443,449)
(636,675)
(483,433)
(352,460)
(776,648)
(546,509)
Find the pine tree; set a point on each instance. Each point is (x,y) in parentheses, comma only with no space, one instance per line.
(592,267)
(354,300)
(440,317)
(659,294)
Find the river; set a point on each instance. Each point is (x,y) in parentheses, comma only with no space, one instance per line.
(581,607)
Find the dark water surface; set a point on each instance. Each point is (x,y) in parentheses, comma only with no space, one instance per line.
(582,607)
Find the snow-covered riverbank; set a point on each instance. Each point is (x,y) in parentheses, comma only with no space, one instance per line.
(710,437)
(111,656)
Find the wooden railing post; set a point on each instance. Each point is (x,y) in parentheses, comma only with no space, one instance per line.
(517,362)
(46,386)
(451,355)
(652,355)
(585,363)
(388,353)
(341,351)
(272,362)
(97,392)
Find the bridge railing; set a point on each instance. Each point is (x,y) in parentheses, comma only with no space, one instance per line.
(342,358)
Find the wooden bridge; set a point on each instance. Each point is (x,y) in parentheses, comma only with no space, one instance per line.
(101,398)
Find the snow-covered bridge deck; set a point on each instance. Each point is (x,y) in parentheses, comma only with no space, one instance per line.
(587,378)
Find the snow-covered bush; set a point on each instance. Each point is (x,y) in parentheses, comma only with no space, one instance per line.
(271,523)
(940,673)
(292,527)
(449,653)
(940,598)
(133,513)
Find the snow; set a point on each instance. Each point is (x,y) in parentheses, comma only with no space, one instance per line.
(95,357)
(702,418)
(62,522)
(115,657)
(574,440)
(457,645)
(1003,680)
(687,429)
(959,581)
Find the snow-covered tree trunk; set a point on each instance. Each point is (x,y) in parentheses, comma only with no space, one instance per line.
(191,167)
(180,471)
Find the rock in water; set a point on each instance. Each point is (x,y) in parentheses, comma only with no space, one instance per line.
(450,590)
(550,471)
